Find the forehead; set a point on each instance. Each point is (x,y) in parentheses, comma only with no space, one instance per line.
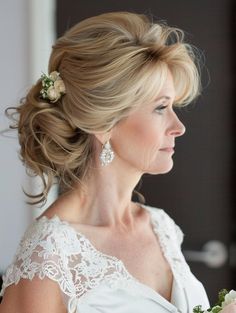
(167,91)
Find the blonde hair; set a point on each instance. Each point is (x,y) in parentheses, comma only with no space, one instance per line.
(110,64)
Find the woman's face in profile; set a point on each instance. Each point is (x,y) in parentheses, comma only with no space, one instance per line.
(139,141)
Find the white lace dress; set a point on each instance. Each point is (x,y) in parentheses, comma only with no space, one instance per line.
(93,282)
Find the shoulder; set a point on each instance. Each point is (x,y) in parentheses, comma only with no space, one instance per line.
(51,236)
(44,252)
(41,268)
(33,295)
(164,221)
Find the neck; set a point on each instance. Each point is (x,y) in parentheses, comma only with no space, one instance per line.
(106,199)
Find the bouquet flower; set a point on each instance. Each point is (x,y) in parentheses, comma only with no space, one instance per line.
(225,298)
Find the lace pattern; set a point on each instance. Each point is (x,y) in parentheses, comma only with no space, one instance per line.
(170,237)
(52,248)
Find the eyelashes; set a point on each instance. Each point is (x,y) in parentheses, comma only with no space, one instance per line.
(160,108)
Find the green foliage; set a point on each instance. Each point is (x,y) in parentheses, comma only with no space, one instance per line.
(215,309)
(198,309)
(221,296)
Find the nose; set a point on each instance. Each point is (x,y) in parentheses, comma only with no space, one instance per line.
(176,128)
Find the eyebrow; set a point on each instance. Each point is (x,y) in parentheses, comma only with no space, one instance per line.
(165,97)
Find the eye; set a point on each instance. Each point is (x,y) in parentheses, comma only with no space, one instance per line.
(160,108)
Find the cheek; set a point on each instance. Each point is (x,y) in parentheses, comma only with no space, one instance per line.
(138,138)
(145,132)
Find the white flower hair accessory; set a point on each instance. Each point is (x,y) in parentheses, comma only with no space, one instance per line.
(53,87)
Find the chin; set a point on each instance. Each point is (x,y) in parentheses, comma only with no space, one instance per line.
(161,170)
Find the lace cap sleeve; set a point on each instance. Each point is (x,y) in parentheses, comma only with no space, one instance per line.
(44,250)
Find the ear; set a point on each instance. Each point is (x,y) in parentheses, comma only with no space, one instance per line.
(103,137)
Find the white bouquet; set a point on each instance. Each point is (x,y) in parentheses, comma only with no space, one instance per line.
(225,298)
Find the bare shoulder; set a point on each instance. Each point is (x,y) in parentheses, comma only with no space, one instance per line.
(65,208)
(38,296)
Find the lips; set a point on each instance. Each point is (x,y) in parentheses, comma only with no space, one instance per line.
(168,149)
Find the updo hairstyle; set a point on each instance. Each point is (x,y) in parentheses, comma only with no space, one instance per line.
(111,64)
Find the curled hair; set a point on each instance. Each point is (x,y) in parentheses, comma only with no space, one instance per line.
(111,64)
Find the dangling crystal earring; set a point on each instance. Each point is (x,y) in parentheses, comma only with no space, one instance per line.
(107,154)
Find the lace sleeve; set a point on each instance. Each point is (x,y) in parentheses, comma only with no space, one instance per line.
(44,251)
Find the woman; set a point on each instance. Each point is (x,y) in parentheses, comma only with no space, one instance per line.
(101,119)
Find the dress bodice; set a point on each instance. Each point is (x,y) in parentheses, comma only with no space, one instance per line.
(93,282)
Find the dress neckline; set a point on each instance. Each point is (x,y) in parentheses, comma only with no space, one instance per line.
(118,261)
